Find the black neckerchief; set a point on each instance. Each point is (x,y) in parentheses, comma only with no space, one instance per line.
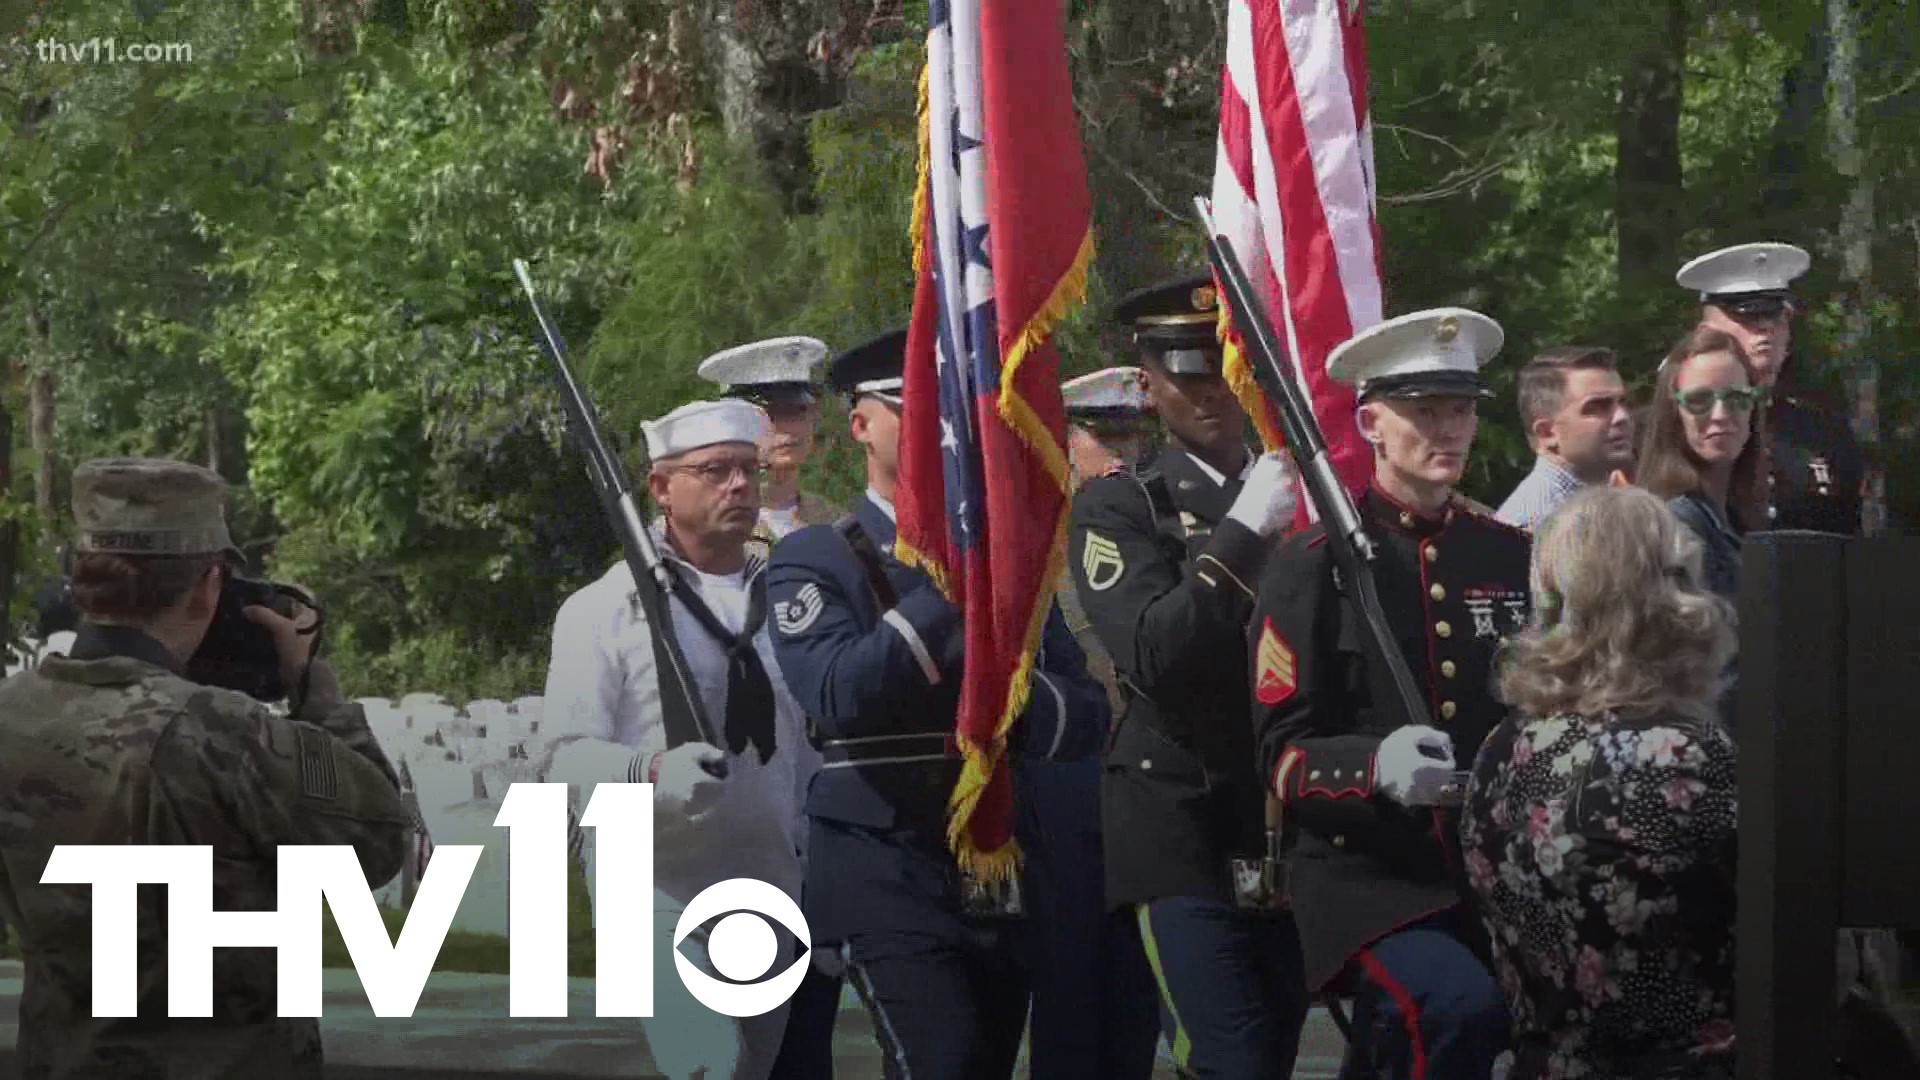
(750,700)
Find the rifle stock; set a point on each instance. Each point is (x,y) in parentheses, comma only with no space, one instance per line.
(685,717)
(1353,549)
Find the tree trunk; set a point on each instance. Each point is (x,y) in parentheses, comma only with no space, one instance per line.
(1648,184)
(215,458)
(9,533)
(1855,241)
(776,65)
(40,402)
(1796,156)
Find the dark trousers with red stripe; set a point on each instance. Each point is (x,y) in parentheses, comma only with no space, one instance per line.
(1425,1008)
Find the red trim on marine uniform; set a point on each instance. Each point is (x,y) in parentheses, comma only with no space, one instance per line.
(1402,1000)
(1489,518)
(1419,518)
(1363,778)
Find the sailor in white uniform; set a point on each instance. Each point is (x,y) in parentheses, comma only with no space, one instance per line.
(604,722)
(777,375)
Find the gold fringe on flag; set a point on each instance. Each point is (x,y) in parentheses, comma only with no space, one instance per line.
(1239,375)
(903,552)
(1015,411)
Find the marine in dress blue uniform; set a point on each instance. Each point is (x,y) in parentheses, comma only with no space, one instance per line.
(1377,882)
(1816,466)
(876,658)
(1164,555)
(777,375)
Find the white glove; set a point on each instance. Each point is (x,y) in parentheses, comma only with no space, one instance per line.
(683,783)
(1267,498)
(1414,765)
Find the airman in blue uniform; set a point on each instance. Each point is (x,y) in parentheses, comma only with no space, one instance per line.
(874,654)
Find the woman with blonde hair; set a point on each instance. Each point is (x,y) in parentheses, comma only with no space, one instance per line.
(1598,833)
(1705,449)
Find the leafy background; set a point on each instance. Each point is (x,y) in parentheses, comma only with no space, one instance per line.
(289,257)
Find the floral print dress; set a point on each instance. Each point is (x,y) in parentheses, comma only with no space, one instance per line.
(1600,852)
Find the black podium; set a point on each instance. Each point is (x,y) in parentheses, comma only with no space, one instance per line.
(1828,727)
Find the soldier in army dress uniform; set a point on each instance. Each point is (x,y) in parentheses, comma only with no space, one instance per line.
(1817,466)
(1164,556)
(1376,876)
(1094,1001)
(111,745)
(874,653)
(777,375)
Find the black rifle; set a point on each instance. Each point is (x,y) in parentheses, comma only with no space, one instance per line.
(684,716)
(1353,549)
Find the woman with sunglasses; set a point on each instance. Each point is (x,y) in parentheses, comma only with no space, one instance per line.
(1704,450)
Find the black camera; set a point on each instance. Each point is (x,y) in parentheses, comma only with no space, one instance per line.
(238,653)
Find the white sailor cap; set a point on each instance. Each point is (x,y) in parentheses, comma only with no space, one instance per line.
(1431,353)
(704,423)
(1115,393)
(1746,277)
(777,371)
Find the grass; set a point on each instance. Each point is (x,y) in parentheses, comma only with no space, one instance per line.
(485,954)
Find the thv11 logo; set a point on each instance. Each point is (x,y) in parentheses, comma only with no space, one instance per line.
(740,946)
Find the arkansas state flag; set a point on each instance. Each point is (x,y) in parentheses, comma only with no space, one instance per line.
(1002,240)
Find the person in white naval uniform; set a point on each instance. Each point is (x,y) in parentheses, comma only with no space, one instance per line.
(604,723)
(777,375)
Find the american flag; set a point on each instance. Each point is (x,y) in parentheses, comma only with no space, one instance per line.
(1293,188)
(1002,241)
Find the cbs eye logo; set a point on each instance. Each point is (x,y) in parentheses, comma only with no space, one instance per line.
(742,946)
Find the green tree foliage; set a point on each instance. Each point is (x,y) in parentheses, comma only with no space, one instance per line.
(291,255)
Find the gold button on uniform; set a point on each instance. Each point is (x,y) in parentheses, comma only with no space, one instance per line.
(1406,520)
(1447,709)
(1441,628)
(1339,841)
(1447,669)
(1438,592)
(1432,553)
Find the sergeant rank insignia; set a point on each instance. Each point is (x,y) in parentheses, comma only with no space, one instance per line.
(795,615)
(1274,681)
(1100,558)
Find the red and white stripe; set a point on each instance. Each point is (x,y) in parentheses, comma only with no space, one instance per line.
(1293,188)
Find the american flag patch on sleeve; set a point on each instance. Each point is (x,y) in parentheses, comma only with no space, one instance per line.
(319,779)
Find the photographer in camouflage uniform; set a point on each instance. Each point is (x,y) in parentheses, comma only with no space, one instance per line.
(111,745)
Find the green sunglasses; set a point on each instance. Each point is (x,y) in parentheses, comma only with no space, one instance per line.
(1738,399)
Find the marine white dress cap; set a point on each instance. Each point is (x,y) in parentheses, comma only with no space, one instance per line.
(1425,353)
(775,360)
(1745,268)
(1109,390)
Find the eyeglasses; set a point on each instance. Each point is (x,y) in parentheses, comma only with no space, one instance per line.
(1701,400)
(717,473)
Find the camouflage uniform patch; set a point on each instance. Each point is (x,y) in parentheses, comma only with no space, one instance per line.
(120,751)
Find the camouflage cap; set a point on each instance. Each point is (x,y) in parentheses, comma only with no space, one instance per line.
(149,506)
